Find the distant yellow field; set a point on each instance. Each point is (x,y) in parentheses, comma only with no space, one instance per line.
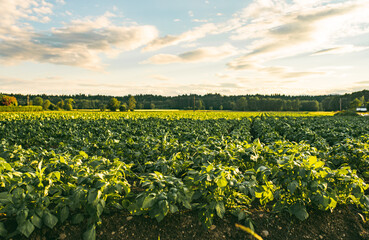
(167,114)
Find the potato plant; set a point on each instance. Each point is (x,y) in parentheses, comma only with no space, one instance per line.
(74,167)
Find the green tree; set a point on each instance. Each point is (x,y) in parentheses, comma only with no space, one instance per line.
(69,104)
(253,103)
(102,107)
(38,101)
(139,106)
(241,104)
(200,105)
(46,104)
(131,103)
(233,106)
(53,107)
(362,100)
(355,103)
(308,105)
(152,106)
(113,104)
(60,104)
(123,107)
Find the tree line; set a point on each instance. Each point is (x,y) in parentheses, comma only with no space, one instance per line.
(256,102)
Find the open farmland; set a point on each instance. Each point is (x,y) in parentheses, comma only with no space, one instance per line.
(77,168)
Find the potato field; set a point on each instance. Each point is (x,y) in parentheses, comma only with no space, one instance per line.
(75,167)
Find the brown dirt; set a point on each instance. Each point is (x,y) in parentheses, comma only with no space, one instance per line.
(345,223)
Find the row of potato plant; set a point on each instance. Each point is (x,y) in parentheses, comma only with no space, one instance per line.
(75,167)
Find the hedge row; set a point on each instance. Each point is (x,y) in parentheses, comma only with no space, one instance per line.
(20,108)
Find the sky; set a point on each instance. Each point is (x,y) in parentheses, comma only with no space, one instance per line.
(174,47)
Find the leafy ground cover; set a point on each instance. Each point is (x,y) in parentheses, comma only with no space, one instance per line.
(79,171)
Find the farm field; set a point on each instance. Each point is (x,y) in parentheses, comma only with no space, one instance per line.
(78,172)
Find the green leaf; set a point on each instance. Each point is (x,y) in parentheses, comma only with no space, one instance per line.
(149,201)
(299,211)
(209,168)
(186,204)
(92,195)
(365,200)
(220,209)
(5,197)
(5,165)
(83,154)
(64,214)
(3,231)
(164,206)
(292,186)
(50,220)
(159,217)
(261,169)
(36,220)
(173,208)
(26,228)
(22,216)
(56,174)
(319,164)
(99,209)
(77,219)
(241,215)
(222,182)
(312,160)
(90,233)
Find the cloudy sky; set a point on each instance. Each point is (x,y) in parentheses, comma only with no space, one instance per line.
(171,47)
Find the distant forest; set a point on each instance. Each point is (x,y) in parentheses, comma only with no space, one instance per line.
(256,102)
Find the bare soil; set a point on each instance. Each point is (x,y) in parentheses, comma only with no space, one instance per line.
(344,223)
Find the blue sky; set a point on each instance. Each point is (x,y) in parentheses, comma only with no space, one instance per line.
(172,47)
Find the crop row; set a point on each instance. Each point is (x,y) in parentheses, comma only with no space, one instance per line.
(55,168)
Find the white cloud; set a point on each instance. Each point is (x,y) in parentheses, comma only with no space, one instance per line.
(62,2)
(339,50)
(159,77)
(276,72)
(193,34)
(78,43)
(223,75)
(200,20)
(197,55)
(278,29)
(12,11)
(189,36)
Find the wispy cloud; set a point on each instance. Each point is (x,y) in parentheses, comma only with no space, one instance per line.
(363,83)
(200,20)
(159,77)
(189,36)
(339,50)
(278,72)
(197,55)
(278,29)
(193,34)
